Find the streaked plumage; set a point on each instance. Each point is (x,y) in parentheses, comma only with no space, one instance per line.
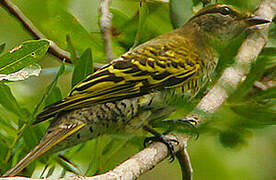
(141,86)
(156,65)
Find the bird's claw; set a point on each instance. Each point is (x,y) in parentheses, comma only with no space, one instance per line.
(166,141)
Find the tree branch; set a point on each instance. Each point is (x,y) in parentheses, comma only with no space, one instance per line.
(135,166)
(232,76)
(54,49)
(184,160)
(105,23)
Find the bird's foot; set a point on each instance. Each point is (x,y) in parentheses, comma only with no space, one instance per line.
(161,138)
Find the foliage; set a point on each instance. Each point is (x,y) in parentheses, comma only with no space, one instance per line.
(73,25)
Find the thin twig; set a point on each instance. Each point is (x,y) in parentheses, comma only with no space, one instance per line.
(184,160)
(105,23)
(54,49)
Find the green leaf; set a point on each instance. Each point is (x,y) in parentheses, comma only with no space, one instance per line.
(143,13)
(83,68)
(8,101)
(180,12)
(270,93)
(257,114)
(27,53)
(2,47)
(72,50)
(54,96)
(204,2)
(29,134)
(68,165)
(50,89)
(54,20)
(6,125)
(3,151)
(254,74)
(268,51)
(50,172)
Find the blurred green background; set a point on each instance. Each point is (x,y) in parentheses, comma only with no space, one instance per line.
(239,143)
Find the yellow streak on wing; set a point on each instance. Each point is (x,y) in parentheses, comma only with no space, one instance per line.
(127,91)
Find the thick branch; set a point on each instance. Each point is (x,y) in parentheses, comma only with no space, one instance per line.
(135,166)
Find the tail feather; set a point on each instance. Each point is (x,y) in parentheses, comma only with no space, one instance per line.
(46,143)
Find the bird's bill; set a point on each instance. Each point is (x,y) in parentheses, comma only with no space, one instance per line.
(256,20)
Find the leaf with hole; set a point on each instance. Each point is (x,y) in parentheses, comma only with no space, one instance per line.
(27,53)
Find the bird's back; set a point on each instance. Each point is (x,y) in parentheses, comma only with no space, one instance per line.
(167,62)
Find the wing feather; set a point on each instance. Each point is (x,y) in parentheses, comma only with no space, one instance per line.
(134,74)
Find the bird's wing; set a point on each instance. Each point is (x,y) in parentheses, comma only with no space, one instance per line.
(136,73)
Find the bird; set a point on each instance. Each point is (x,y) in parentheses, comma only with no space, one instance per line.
(141,86)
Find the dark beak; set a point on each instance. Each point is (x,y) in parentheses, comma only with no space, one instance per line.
(256,20)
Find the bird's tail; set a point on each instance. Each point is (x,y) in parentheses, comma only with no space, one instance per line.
(50,140)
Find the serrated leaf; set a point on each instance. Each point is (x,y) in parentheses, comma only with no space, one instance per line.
(180,12)
(8,101)
(2,47)
(83,68)
(27,53)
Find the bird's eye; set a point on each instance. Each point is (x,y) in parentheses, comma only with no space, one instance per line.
(225,10)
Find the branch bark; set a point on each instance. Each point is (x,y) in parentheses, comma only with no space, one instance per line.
(232,76)
(105,23)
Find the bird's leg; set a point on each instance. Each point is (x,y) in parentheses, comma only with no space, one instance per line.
(161,138)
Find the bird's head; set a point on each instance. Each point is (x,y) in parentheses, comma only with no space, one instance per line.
(222,23)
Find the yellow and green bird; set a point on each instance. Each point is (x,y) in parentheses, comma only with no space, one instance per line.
(140,86)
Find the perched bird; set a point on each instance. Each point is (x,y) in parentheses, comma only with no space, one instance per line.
(141,86)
